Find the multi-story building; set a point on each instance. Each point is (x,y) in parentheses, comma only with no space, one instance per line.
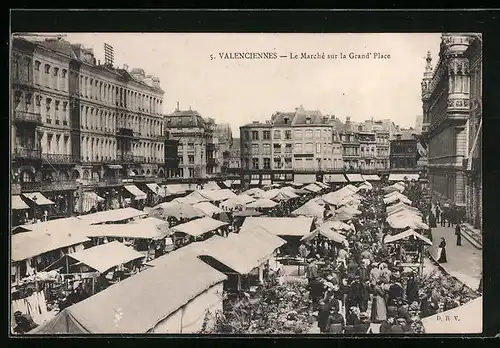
(446,109)
(283,143)
(472,162)
(383,130)
(350,146)
(195,142)
(171,156)
(256,152)
(404,153)
(223,140)
(368,149)
(81,123)
(235,157)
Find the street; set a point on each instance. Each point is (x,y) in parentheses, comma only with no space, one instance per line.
(464,262)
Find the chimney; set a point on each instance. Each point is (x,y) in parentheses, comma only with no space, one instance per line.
(98,62)
(189,107)
(177,109)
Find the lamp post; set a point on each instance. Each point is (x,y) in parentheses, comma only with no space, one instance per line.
(34,208)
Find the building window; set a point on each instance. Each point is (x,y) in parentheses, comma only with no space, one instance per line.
(298,134)
(288,134)
(267,149)
(47,68)
(56,72)
(298,148)
(255,163)
(180,159)
(309,134)
(318,148)
(266,135)
(37,65)
(255,148)
(309,148)
(318,134)
(308,120)
(277,134)
(255,135)
(298,163)
(247,163)
(191,172)
(245,135)
(267,163)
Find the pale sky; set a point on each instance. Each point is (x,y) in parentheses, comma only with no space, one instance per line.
(242,91)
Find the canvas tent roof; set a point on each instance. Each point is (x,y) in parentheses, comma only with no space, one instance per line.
(17,203)
(26,245)
(401,176)
(355,178)
(175,189)
(254,192)
(199,227)
(211,186)
(311,208)
(244,198)
(406,234)
(208,208)
(155,188)
(111,215)
(394,198)
(369,177)
(137,304)
(175,209)
(104,257)
(148,228)
(335,178)
(38,198)
(328,233)
(336,225)
(280,226)
(53,225)
(262,203)
(313,188)
(134,190)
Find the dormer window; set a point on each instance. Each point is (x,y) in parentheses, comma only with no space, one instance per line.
(286,120)
(308,120)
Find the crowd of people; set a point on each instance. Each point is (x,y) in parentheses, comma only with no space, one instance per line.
(362,280)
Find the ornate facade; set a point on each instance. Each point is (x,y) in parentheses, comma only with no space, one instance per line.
(446,109)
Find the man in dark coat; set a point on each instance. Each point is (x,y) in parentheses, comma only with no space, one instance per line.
(323,314)
(412,289)
(352,269)
(396,293)
(356,292)
(335,322)
(386,325)
(458,233)
(24,323)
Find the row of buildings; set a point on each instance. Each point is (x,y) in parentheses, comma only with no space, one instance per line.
(306,141)
(452,121)
(79,125)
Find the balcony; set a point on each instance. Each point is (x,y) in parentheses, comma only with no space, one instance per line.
(125,133)
(27,117)
(43,186)
(57,158)
(27,153)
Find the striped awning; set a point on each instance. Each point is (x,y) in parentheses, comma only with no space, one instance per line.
(18,203)
(38,198)
(134,190)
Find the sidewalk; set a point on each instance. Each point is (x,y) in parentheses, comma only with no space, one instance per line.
(464,262)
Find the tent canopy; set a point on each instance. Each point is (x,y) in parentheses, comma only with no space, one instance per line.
(148,228)
(311,208)
(208,208)
(174,189)
(199,227)
(102,257)
(280,226)
(112,216)
(26,245)
(134,191)
(17,203)
(328,233)
(407,234)
(371,177)
(254,192)
(401,176)
(156,189)
(334,178)
(177,210)
(211,186)
(38,198)
(262,203)
(137,304)
(355,178)
(304,178)
(313,188)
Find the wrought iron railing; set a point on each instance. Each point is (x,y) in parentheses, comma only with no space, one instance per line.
(26,116)
(55,185)
(58,158)
(27,153)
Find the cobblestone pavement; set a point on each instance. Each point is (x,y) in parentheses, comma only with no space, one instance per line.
(464,262)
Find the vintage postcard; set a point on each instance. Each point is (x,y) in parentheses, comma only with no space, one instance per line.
(236,184)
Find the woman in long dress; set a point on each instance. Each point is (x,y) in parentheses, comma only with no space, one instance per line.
(442,251)
(379,307)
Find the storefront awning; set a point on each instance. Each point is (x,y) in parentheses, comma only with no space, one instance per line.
(371,177)
(254,182)
(18,203)
(114,166)
(335,178)
(156,189)
(38,198)
(355,178)
(304,178)
(266,182)
(402,176)
(138,194)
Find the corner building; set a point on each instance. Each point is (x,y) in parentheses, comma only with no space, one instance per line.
(446,110)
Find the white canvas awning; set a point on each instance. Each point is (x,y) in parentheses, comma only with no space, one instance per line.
(304,178)
(355,178)
(17,203)
(156,189)
(134,190)
(401,176)
(335,178)
(371,177)
(38,198)
(406,234)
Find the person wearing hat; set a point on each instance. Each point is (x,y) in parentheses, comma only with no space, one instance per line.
(363,325)
(352,269)
(442,251)
(386,325)
(24,323)
(311,271)
(374,273)
(335,322)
